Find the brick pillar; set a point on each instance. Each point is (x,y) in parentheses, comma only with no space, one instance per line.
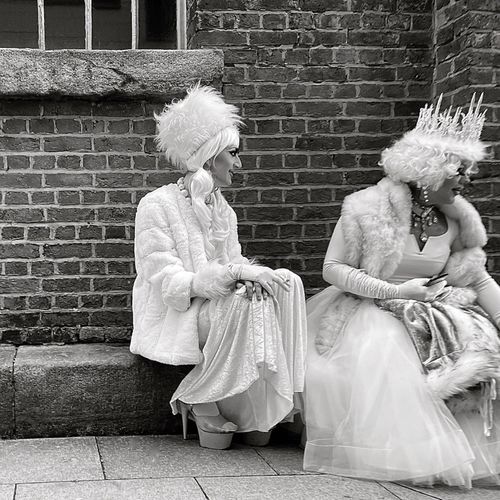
(467,43)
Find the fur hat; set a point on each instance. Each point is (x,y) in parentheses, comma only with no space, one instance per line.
(433,150)
(186,125)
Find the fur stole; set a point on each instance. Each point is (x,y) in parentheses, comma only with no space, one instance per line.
(377,222)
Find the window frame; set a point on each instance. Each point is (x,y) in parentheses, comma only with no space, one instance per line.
(134,5)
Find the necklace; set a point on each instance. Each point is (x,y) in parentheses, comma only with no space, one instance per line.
(423,218)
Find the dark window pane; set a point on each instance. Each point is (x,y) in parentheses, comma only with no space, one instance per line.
(18,23)
(65,24)
(157,24)
(112,24)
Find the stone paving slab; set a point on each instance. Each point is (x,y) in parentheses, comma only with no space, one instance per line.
(292,487)
(407,493)
(444,493)
(125,457)
(42,460)
(128,489)
(6,491)
(283,459)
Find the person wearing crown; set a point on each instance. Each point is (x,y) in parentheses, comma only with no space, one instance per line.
(404,354)
(198,301)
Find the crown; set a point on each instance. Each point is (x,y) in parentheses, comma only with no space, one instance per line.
(458,125)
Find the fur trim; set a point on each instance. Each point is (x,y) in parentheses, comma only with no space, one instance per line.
(471,228)
(213,281)
(184,126)
(376,224)
(470,369)
(465,267)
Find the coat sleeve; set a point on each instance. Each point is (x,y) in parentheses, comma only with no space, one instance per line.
(156,258)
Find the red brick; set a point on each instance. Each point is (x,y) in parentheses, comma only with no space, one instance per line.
(19,143)
(68,197)
(44,162)
(66,180)
(66,143)
(276,21)
(16,198)
(318,108)
(269,38)
(322,73)
(14,126)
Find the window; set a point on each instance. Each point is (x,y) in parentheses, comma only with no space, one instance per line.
(93,24)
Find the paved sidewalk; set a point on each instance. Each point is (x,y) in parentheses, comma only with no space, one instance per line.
(165,467)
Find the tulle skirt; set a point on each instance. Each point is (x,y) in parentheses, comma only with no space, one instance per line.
(370,414)
(253,357)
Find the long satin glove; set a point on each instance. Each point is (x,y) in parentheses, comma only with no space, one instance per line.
(356,281)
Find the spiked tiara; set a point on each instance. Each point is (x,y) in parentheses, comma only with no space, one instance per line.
(423,154)
(186,125)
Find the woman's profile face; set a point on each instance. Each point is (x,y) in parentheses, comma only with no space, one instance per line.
(224,166)
(452,185)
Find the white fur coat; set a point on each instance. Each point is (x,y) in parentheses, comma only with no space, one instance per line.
(169,255)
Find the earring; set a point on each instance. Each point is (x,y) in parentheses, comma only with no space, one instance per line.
(425,194)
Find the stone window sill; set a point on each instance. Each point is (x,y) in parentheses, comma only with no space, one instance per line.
(153,74)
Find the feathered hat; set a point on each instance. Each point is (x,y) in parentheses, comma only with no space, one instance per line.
(424,154)
(186,125)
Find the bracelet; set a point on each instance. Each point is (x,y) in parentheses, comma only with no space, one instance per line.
(235,271)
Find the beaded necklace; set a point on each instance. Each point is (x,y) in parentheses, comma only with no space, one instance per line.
(422,218)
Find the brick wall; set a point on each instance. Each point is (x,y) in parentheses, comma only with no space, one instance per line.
(467,48)
(323,86)
(71,174)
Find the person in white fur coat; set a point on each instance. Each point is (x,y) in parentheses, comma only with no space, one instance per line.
(197,300)
(401,370)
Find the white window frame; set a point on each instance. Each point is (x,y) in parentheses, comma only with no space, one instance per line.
(134,5)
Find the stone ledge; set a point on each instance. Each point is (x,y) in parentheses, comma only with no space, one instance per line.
(7,356)
(31,73)
(87,389)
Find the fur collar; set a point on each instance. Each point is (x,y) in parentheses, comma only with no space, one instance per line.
(377,222)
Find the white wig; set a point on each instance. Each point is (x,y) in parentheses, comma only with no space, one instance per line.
(190,130)
(436,147)
(428,161)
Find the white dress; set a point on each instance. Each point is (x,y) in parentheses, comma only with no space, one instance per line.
(253,357)
(369,412)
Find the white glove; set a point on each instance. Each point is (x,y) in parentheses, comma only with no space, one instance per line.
(265,276)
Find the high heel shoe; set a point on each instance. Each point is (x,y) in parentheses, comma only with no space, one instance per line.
(214,430)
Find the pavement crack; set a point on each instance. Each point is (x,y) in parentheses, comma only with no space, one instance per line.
(100,457)
(268,462)
(201,488)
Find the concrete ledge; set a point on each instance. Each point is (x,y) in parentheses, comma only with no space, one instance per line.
(106,73)
(89,389)
(7,356)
